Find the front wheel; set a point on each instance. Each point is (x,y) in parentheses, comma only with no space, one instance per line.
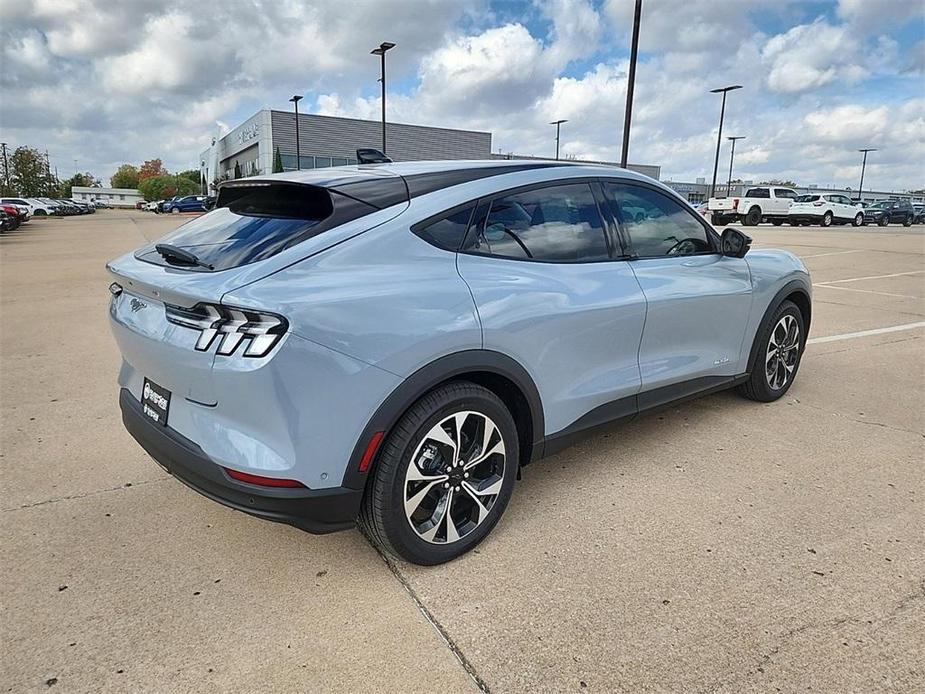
(907,222)
(827,219)
(779,348)
(175,210)
(883,221)
(444,475)
(858,220)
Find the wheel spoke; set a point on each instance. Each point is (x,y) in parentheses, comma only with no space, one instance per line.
(483,510)
(411,505)
(497,448)
(441,513)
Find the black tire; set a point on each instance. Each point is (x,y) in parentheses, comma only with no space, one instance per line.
(175,210)
(908,222)
(41,213)
(753,217)
(757,387)
(827,219)
(883,221)
(858,220)
(382,513)
(777,222)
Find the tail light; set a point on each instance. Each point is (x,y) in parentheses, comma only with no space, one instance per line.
(234,325)
(735,203)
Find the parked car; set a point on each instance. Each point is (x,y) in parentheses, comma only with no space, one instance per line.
(68,207)
(759,204)
(6,222)
(16,215)
(54,207)
(281,361)
(82,206)
(22,203)
(152,206)
(825,210)
(209,202)
(188,203)
(886,212)
(919,214)
(41,208)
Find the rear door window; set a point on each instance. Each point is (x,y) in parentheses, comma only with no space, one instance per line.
(559,223)
(758,193)
(448,232)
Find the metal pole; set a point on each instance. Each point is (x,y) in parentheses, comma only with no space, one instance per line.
(719,137)
(863,166)
(558,124)
(731,157)
(630,86)
(298,147)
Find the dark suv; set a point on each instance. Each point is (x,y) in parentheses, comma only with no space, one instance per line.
(890,211)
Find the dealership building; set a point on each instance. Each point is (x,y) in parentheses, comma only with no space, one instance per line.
(332,141)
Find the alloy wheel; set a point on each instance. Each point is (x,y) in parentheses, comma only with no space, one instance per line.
(782,352)
(454,477)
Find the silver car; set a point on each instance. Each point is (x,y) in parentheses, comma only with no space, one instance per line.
(392,343)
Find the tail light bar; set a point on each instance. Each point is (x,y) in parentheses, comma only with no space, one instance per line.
(735,203)
(234,325)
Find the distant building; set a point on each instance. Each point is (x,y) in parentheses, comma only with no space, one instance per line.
(116,197)
(330,141)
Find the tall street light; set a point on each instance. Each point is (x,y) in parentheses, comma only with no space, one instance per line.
(630,86)
(731,157)
(863,166)
(298,151)
(558,123)
(380,51)
(719,136)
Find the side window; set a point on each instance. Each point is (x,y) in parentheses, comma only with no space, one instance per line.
(446,233)
(555,224)
(784,193)
(656,224)
(758,193)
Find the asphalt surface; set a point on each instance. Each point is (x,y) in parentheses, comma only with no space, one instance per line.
(719,546)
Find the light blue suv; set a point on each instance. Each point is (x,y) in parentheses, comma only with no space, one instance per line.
(391,343)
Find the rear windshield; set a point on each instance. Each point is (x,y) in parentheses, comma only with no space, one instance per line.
(256,223)
(806,198)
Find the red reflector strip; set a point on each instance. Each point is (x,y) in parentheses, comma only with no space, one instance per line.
(370,451)
(261,481)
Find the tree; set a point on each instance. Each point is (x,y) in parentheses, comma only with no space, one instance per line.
(126,176)
(778,182)
(277,162)
(84,180)
(152,167)
(29,174)
(163,187)
(237,169)
(191,174)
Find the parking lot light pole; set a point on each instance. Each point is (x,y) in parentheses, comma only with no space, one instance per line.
(719,136)
(298,151)
(863,166)
(381,51)
(630,86)
(731,157)
(558,123)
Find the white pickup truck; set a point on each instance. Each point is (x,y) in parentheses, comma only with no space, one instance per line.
(759,204)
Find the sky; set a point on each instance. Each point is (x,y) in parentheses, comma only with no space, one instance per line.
(102,83)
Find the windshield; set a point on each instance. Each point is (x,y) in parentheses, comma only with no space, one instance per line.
(880,205)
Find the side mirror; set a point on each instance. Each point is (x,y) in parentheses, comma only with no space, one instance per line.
(735,243)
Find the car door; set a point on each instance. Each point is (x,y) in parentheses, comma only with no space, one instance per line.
(846,209)
(552,292)
(782,200)
(697,300)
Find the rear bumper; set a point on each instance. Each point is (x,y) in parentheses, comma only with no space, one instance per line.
(313,510)
(804,217)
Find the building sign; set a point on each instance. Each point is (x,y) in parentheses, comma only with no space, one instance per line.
(248,133)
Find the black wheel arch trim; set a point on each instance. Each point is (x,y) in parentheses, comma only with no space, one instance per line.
(792,287)
(427,378)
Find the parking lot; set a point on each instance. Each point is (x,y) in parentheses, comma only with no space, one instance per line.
(718,546)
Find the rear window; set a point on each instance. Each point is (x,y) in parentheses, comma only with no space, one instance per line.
(255,223)
(806,198)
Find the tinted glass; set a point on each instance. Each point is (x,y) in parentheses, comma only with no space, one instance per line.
(557,224)
(784,193)
(449,232)
(656,224)
(806,198)
(757,193)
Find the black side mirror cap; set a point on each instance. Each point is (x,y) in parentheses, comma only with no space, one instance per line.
(735,243)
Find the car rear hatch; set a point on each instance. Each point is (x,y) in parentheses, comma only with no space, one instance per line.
(259,226)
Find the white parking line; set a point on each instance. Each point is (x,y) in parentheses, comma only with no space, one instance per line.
(822,255)
(823,285)
(865,333)
(874,277)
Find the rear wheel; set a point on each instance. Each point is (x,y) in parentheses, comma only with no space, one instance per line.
(777,222)
(883,221)
(780,342)
(827,219)
(444,476)
(908,222)
(858,219)
(753,218)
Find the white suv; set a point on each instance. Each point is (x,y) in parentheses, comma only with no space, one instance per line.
(824,210)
